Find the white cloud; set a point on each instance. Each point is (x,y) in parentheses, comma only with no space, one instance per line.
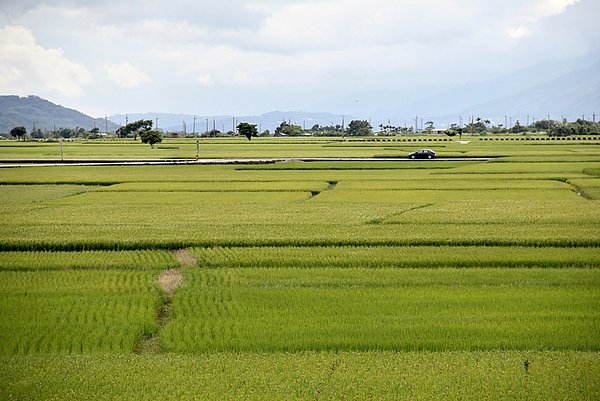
(519,32)
(205,80)
(26,67)
(338,24)
(274,49)
(126,75)
(546,8)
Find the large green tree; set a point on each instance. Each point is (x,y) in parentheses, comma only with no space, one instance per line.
(135,128)
(151,137)
(247,130)
(286,129)
(359,128)
(18,132)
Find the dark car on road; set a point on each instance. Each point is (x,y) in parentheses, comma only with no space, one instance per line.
(422,154)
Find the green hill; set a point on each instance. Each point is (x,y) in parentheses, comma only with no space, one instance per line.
(34,111)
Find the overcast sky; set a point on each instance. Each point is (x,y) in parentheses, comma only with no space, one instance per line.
(248,57)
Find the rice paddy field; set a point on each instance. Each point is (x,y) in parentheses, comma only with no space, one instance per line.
(406,280)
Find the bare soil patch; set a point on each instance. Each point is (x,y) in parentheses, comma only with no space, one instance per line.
(185,257)
(170,280)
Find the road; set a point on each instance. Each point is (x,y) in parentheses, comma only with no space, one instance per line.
(8,163)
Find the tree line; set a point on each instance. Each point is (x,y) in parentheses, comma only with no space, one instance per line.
(550,127)
(356,128)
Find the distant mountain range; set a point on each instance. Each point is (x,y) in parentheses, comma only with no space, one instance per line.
(571,95)
(33,111)
(569,89)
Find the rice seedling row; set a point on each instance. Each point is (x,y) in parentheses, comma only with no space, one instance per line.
(145,260)
(496,375)
(384,309)
(76,312)
(219,186)
(397,256)
(140,237)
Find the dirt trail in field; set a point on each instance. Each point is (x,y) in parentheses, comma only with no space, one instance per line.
(169,281)
(185,257)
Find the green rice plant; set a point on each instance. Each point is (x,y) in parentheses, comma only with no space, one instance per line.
(439,196)
(146,260)
(514,176)
(164,198)
(257,231)
(527,168)
(396,256)
(76,312)
(106,175)
(382,375)
(556,154)
(219,186)
(524,208)
(269,310)
(454,183)
(570,211)
(354,165)
(586,187)
(595,171)
(18,194)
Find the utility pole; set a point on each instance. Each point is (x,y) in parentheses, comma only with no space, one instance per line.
(105,125)
(197,148)
(157,123)
(416,124)
(197,139)
(594,118)
(206,126)
(233,124)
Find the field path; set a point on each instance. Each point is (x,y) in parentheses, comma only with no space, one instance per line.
(168,280)
(185,257)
